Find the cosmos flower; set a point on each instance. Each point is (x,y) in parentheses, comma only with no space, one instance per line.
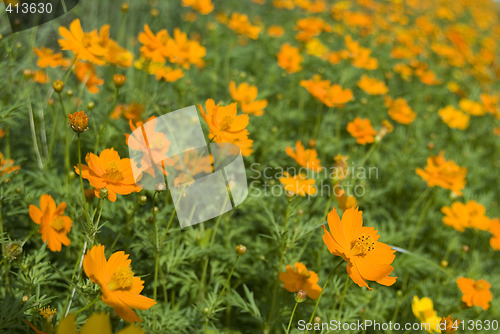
(305,157)
(399,110)
(454,118)
(362,130)
(54,225)
(299,278)
(423,309)
(372,86)
(120,288)
(475,293)
(245,95)
(443,173)
(289,58)
(298,184)
(109,171)
(367,258)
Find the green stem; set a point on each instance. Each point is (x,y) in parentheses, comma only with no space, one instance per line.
(86,307)
(323,291)
(319,118)
(346,285)
(157,259)
(291,317)
(228,281)
(66,154)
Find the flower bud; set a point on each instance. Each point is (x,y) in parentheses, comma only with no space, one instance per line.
(317,320)
(103,193)
(160,187)
(240,250)
(300,296)
(312,143)
(91,105)
(443,263)
(156,210)
(143,199)
(79,121)
(119,80)
(28,73)
(25,298)
(124,7)
(12,250)
(69,92)
(154,12)
(449,325)
(58,86)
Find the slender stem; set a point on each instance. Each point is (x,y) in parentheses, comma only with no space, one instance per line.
(291,317)
(323,291)
(319,118)
(66,154)
(346,285)
(228,281)
(157,259)
(78,267)
(88,305)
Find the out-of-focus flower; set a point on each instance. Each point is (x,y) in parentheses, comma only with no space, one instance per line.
(468,215)
(7,166)
(131,111)
(454,118)
(54,225)
(120,288)
(449,325)
(154,46)
(372,86)
(366,257)
(298,184)
(475,293)
(299,278)
(84,45)
(40,77)
(311,27)
(109,171)
(423,309)
(305,157)
(399,110)
(362,130)
(203,6)
(241,25)
(184,52)
(85,73)
(289,58)
(490,102)
(47,58)
(245,95)
(443,173)
(495,230)
(472,107)
(275,31)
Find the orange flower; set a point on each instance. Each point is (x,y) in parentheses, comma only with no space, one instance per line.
(367,258)
(203,6)
(316,86)
(275,31)
(47,58)
(84,45)
(166,73)
(241,25)
(79,121)
(7,166)
(298,184)
(306,158)
(41,77)
(472,107)
(54,226)
(310,27)
(85,73)
(114,54)
(495,230)
(490,102)
(109,171)
(299,278)
(335,96)
(454,118)
(345,202)
(372,86)
(226,126)
(132,111)
(399,110)
(154,47)
(245,95)
(469,215)
(475,293)
(362,130)
(184,52)
(289,58)
(120,288)
(443,173)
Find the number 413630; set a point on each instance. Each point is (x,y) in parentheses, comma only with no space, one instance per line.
(29,8)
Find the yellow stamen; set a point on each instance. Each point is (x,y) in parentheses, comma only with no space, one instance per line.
(479,285)
(122,279)
(362,245)
(57,224)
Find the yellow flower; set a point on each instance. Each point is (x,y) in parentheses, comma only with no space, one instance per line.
(372,86)
(423,309)
(97,323)
(454,118)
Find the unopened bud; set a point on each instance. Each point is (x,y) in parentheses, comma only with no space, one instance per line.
(58,86)
(69,92)
(79,121)
(25,298)
(119,80)
(124,7)
(160,187)
(143,199)
(91,105)
(444,263)
(240,250)
(317,320)
(103,193)
(13,250)
(300,296)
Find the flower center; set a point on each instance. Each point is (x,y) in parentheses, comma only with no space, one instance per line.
(57,224)
(226,123)
(479,285)
(112,167)
(122,279)
(304,273)
(362,245)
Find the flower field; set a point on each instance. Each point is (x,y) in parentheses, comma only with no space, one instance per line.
(368,132)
